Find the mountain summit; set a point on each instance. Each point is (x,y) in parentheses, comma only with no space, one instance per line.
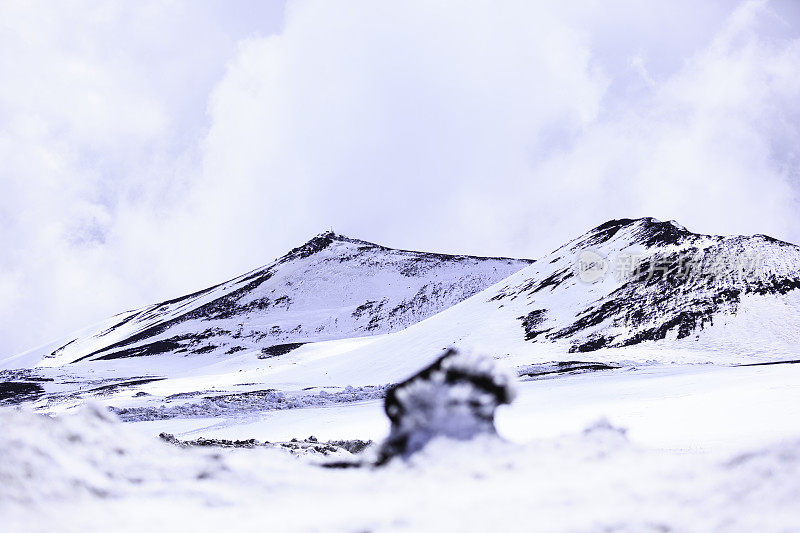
(661,282)
(643,283)
(331,287)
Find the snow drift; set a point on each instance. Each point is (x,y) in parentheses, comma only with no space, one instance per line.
(87,472)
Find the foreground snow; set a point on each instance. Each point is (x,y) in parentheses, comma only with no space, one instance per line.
(87,472)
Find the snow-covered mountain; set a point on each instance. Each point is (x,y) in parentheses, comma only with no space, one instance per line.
(642,283)
(331,287)
(684,297)
(336,320)
(631,281)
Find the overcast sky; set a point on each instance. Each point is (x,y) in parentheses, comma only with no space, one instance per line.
(149,149)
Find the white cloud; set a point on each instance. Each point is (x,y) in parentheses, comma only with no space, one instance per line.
(472,127)
(499,130)
(98,103)
(382,122)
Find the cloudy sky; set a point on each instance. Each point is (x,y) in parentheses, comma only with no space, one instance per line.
(152,148)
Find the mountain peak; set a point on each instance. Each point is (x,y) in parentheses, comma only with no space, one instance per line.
(330,234)
(643,222)
(331,287)
(647,231)
(320,242)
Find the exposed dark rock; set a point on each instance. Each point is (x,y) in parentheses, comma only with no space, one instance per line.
(551,282)
(18,391)
(595,342)
(113,387)
(153,348)
(605,231)
(542,370)
(234,349)
(770,363)
(656,233)
(205,349)
(279,349)
(294,446)
(531,323)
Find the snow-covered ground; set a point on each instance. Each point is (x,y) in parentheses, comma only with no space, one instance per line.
(706,449)
(675,407)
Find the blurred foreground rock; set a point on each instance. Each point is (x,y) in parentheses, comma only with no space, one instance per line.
(455,397)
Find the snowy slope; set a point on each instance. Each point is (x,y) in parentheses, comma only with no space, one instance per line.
(546,312)
(536,319)
(331,287)
(683,286)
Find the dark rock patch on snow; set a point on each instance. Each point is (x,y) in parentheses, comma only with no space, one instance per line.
(19,391)
(530,372)
(295,446)
(531,323)
(279,349)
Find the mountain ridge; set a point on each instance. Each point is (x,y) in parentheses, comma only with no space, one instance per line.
(335,287)
(326,256)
